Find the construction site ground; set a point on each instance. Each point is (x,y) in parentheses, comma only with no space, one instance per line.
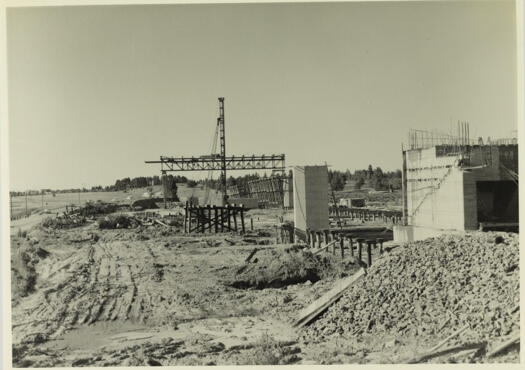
(150,295)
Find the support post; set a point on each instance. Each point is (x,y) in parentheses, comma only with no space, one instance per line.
(242,219)
(380,241)
(228,216)
(190,214)
(234,211)
(308,237)
(360,248)
(208,222)
(369,252)
(164,187)
(216,218)
(198,218)
(404,188)
(186,218)
(342,245)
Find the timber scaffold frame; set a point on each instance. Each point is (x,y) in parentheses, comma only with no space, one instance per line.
(213,218)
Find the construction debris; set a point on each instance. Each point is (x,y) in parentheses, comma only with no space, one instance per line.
(118,222)
(64,221)
(456,279)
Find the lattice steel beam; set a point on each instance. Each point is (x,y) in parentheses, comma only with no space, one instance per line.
(207,163)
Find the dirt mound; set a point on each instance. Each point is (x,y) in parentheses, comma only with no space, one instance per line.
(432,288)
(149,203)
(23,261)
(282,267)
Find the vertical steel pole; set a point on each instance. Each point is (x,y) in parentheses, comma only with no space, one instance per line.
(164,186)
(404,193)
(222,133)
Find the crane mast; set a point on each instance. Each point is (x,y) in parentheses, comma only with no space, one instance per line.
(221,162)
(222,136)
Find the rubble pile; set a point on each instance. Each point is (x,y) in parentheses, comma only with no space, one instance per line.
(120,221)
(430,289)
(65,221)
(92,209)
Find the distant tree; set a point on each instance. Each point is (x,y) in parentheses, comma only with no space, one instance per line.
(370,172)
(337,180)
(191,183)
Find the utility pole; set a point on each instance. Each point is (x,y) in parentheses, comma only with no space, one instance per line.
(79,198)
(26,203)
(42,199)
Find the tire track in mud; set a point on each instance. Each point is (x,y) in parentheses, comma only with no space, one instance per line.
(97,282)
(133,292)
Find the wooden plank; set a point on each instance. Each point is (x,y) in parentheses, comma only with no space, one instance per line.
(515,338)
(321,304)
(161,223)
(325,247)
(447,351)
(309,313)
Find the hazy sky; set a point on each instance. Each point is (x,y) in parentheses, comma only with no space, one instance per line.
(95,91)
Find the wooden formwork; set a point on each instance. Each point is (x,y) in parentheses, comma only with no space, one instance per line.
(213,218)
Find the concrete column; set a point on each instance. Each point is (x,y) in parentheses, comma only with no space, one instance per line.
(351,244)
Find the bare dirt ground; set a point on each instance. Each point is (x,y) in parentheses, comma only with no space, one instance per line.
(150,295)
(146,295)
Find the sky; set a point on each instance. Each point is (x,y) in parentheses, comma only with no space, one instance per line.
(94,91)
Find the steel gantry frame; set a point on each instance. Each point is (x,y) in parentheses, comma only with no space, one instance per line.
(221,161)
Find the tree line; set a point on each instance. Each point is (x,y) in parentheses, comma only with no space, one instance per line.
(370,177)
(124,184)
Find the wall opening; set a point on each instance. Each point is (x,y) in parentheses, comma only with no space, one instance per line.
(497,201)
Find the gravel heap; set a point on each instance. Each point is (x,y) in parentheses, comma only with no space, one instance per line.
(432,288)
